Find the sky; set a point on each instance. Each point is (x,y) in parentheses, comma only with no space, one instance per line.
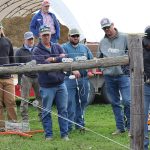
(129,16)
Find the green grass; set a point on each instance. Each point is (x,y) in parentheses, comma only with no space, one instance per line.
(99,119)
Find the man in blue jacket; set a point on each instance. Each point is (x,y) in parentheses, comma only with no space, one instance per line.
(52,84)
(44,17)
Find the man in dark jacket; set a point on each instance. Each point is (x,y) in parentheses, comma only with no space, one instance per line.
(44,17)
(52,84)
(28,80)
(146,57)
(7,88)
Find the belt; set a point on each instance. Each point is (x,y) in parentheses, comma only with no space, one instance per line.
(82,76)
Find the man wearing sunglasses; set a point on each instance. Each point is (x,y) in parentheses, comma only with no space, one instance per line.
(44,17)
(117,78)
(78,87)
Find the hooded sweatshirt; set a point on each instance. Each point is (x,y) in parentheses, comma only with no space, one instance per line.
(40,54)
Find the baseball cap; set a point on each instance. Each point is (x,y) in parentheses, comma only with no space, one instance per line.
(146,38)
(105,22)
(45,3)
(147,31)
(73,31)
(44,30)
(28,35)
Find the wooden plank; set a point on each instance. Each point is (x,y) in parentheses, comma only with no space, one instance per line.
(103,62)
(137,97)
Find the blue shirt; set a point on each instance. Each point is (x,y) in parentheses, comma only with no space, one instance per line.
(79,50)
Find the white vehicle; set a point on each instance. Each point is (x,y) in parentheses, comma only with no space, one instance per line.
(97,91)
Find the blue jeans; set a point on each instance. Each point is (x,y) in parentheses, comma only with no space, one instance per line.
(76,94)
(59,93)
(119,86)
(146,112)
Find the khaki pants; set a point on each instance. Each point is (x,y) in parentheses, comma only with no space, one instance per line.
(7,100)
(26,84)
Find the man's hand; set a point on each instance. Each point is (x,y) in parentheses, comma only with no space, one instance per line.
(50,59)
(90,74)
(76,73)
(62,55)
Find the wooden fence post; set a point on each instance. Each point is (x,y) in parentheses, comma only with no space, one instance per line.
(137,92)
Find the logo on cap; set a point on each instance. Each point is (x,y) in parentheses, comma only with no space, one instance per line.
(44,30)
(105,22)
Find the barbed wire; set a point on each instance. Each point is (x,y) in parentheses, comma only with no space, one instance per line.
(55,114)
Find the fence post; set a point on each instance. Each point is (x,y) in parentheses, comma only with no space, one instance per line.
(137,91)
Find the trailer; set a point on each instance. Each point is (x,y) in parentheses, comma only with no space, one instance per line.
(97,90)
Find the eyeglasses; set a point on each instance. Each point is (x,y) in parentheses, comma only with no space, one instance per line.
(107,27)
(76,35)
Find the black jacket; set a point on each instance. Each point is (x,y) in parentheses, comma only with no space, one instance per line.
(23,55)
(146,56)
(6,54)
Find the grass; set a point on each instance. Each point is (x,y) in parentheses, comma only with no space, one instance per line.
(99,119)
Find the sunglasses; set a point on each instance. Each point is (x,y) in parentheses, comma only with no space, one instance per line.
(76,35)
(107,27)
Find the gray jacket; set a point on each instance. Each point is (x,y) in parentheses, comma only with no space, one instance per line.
(117,46)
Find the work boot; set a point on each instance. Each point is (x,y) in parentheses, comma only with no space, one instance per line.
(117,132)
(65,138)
(48,138)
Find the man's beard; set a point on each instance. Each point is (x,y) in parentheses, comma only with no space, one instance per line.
(45,11)
(74,43)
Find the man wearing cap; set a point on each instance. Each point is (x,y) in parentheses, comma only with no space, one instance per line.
(117,78)
(44,17)
(28,80)
(146,58)
(78,87)
(7,87)
(52,84)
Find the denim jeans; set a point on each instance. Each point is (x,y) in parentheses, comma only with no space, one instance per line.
(77,99)
(146,112)
(117,87)
(60,94)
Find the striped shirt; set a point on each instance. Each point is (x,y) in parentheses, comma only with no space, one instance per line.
(48,20)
